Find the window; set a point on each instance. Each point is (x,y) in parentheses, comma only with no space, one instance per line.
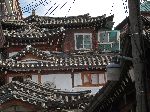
(103,37)
(109,41)
(92,79)
(83,41)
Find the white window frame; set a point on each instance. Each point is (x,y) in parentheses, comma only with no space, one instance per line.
(83,41)
(118,33)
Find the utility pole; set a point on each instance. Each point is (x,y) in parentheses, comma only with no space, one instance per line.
(138,55)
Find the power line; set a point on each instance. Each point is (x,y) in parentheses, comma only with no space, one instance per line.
(54,9)
(63,5)
(49,9)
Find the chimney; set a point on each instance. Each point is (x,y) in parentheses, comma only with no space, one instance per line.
(33,12)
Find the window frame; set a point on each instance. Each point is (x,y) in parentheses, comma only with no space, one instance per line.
(111,43)
(87,80)
(83,34)
(118,33)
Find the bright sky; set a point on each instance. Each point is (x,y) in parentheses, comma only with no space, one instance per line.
(77,7)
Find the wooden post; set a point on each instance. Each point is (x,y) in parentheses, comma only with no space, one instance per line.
(138,55)
(39,78)
(72,77)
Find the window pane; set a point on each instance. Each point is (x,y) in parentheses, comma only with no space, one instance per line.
(103,36)
(87,42)
(112,36)
(101,47)
(79,41)
(108,47)
(87,46)
(87,39)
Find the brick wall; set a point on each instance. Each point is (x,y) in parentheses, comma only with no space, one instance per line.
(69,44)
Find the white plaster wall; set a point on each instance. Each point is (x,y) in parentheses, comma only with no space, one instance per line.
(62,81)
(77,79)
(94,78)
(10,79)
(35,78)
(94,90)
(101,78)
(12,53)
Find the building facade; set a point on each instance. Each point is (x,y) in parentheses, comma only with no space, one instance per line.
(120,96)
(66,53)
(10,9)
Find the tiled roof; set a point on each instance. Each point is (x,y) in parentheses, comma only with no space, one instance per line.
(35,28)
(54,22)
(40,95)
(26,92)
(114,90)
(57,61)
(61,63)
(82,19)
(14,22)
(32,33)
(30,49)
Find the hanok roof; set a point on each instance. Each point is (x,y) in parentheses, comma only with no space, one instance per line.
(56,61)
(109,94)
(40,95)
(40,28)
(32,33)
(81,20)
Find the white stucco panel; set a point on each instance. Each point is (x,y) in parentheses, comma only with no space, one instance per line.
(35,78)
(101,78)
(62,81)
(77,79)
(12,53)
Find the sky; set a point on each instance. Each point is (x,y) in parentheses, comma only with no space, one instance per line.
(64,8)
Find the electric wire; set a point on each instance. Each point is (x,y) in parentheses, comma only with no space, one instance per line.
(49,9)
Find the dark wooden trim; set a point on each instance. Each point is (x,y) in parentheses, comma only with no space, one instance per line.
(39,78)
(72,77)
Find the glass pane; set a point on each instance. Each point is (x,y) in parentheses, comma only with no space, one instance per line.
(87,38)
(79,41)
(101,47)
(107,47)
(103,37)
(87,42)
(87,46)
(112,36)
(115,47)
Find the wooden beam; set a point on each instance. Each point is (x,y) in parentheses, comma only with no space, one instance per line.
(39,78)
(72,77)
